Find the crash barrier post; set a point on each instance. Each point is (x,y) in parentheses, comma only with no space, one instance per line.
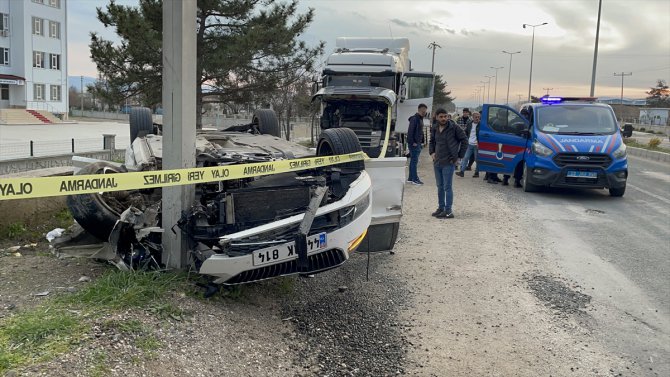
(21,188)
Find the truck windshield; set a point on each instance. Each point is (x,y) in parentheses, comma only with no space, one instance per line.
(575,119)
(360,80)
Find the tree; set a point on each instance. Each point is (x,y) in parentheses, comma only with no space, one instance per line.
(441,96)
(244,48)
(74,98)
(659,96)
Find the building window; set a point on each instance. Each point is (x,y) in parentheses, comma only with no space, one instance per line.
(54,29)
(38,1)
(4,92)
(4,24)
(55,92)
(38,59)
(54,3)
(38,25)
(4,56)
(38,92)
(55,61)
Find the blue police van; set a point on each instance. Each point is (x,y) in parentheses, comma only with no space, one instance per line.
(558,142)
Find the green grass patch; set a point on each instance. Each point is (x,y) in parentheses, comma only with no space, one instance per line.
(64,218)
(100,366)
(125,289)
(13,231)
(37,335)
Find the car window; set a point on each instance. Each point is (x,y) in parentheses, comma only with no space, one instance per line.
(503,120)
(575,119)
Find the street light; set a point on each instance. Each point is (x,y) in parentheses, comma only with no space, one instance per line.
(483,91)
(532,46)
(495,87)
(509,74)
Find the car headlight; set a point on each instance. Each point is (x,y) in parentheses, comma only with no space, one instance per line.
(541,150)
(620,152)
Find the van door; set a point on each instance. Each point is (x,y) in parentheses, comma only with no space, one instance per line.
(502,139)
(415,88)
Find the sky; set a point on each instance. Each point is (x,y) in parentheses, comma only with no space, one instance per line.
(634,38)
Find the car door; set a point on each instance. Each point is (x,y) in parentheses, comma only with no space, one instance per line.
(502,139)
(416,88)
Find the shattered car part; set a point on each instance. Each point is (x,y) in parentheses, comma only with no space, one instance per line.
(240,230)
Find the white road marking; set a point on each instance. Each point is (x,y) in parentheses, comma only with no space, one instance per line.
(664,200)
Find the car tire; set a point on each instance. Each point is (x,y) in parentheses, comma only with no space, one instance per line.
(141,122)
(618,191)
(336,141)
(527,186)
(267,122)
(380,237)
(90,210)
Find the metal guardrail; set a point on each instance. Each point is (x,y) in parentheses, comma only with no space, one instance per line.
(30,148)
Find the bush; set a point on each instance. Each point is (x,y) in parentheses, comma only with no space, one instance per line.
(642,129)
(654,142)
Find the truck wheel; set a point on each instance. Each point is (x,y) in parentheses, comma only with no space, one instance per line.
(267,122)
(617,192)
(97,213)
(140,122)
(527,186)
(334,141)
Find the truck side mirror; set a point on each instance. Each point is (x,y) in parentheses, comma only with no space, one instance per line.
(403,93)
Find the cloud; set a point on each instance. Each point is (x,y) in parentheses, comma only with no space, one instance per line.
(423,26)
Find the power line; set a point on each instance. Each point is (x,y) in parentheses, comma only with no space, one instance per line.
(622,74)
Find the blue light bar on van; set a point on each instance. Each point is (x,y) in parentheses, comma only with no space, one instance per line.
(551,99)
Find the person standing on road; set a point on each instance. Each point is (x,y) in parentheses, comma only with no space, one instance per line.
(415,142)
(447,147)
(472,131)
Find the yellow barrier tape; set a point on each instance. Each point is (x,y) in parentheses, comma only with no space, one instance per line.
(24,188)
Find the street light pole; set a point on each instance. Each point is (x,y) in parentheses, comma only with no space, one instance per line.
(488,96)
(595,51)
(509,73)
(495,87)
(622,76)
(433,46)
(547,89)
(81,94)
(483,92)
(532,47)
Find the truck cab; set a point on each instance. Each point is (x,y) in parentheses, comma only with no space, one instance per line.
(558,142)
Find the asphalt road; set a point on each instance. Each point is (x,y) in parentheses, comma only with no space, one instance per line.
(618,250)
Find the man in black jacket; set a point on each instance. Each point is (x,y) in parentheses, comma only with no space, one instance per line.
(447,147)
(472,132)
(415,142)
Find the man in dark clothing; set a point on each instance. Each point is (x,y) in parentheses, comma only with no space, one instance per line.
(472,132)
(447,147)
(415,142)
(463,123)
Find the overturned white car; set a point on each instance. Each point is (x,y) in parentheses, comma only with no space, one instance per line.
(240,230)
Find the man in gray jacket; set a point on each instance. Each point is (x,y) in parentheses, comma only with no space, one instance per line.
(447,147)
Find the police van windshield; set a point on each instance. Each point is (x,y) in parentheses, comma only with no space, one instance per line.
(575,120)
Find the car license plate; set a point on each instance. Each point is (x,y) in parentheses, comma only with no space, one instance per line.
(582,174)
(288,251)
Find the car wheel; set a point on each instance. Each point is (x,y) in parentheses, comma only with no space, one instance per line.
(527,186)
(336,141)
(617,192)
(97,213)
(267,122)
(380,237)
(141,122)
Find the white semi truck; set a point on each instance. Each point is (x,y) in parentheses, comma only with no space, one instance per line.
(368,85)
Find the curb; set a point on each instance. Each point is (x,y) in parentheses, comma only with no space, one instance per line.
(651,155)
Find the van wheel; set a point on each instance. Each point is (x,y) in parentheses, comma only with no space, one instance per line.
(141,122)
(334,141)
(617,192)
(267,123)
(527,186)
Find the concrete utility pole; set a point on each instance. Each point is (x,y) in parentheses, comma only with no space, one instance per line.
(519,98)
(433,46)
(532,47)
(509,74)
(495,87)
(81,94)
(622,76)
(595,52)
(179,80)
(488,96)
(547,89)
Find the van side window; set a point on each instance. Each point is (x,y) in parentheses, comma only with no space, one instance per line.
(504,121)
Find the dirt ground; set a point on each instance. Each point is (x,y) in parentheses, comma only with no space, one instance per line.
(470,296)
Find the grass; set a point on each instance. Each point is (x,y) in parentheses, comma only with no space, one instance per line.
(13,231)
(40,334)
(22,232)
(653,145)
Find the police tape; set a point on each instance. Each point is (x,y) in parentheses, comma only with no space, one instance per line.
(24,188)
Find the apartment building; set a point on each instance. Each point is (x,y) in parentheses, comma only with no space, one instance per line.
(33,55)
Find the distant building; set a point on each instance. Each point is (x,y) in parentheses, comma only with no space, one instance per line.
(626,101)
(655,116)
(33,55)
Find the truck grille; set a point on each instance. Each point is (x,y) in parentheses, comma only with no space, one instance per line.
(317,262)
(583,159)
